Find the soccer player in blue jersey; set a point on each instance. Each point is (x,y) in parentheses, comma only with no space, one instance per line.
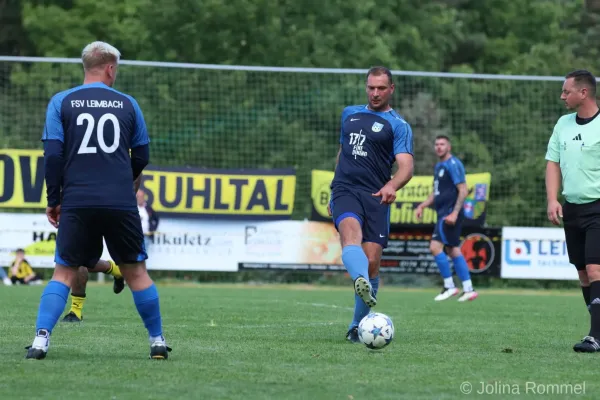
(373,137)
(90,173)
(448,196)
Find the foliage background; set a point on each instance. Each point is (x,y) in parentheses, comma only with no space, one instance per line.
(283,120)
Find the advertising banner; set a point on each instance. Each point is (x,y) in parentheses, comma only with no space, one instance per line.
(402,213)
(224,194)
(181,244)
(408,252)
(171,191)
(313,246)
(536,253)
(292,245)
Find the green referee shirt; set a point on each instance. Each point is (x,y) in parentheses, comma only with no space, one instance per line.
(577,149)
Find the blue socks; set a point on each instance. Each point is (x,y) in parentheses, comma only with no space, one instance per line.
(147,304)
(52,304)
(356,262)
(360,308)
(461,268)
(375,285)
(54,299)
(443,265)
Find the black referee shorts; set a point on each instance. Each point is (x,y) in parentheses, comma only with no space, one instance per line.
(582,233)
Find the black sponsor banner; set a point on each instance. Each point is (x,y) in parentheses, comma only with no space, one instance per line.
(408,252)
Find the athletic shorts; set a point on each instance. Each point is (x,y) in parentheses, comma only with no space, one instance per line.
(449,235)
(582,233)
(81,230)
(373,216)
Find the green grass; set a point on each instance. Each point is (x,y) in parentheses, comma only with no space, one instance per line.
(286,342)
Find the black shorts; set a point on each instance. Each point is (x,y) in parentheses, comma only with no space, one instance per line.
(582,233)
(449,235)
(81,230)
(373,216)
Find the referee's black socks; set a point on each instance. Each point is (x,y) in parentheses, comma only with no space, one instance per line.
(586,296)
(595,309)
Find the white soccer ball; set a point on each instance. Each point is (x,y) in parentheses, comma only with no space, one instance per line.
(376,331)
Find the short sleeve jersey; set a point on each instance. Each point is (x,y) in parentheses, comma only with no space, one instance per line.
(446,175)
(575,146)
(369,141)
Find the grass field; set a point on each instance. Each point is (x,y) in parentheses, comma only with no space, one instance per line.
(287,342)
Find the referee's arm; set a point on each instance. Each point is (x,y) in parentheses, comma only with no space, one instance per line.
(553,180)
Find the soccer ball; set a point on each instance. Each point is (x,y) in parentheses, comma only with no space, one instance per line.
(376,331)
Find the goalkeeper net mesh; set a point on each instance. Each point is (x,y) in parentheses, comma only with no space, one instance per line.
(254,117)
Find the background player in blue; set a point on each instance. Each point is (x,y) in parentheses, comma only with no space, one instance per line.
(448,196)
(89,133)
(373,136)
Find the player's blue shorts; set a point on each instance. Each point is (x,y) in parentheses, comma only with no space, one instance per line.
(449,235)
(373,216)
(81,230)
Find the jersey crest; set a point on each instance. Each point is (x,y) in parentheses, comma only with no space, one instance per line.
(377,127)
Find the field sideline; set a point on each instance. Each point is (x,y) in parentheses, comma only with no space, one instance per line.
(244,341)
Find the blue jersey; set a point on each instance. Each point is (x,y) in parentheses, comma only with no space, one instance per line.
(370,140)
(446,175)
(97,126)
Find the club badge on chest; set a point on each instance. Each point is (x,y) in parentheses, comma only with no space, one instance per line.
(377,127)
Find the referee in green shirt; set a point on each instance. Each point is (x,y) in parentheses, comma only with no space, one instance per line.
(574,155)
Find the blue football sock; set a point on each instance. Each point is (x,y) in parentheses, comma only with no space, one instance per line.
(52,304)
(443,265)
(355,260)
(461,268)
(147,304)
(375,285)
(360,308)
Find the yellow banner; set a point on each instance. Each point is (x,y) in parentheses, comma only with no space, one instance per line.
(22,174)
(253,194)
(408,198)
(232,193)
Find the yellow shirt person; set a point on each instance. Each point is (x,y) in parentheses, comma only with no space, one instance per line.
(21,271)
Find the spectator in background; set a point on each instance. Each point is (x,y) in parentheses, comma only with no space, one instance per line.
(21,271)
(5,277)
(148,216)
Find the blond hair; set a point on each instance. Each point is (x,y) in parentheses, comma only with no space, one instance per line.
(97,54)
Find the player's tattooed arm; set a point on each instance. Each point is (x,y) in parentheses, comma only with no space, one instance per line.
(462,195)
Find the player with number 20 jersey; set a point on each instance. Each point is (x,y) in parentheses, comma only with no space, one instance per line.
(97,126)
(95,149)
